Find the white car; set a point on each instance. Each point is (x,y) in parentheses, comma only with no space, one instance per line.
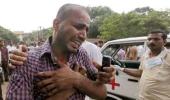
(128,89)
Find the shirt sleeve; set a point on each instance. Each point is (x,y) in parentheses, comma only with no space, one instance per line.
(97,56)
(141,67)
(87,63)
(20,86)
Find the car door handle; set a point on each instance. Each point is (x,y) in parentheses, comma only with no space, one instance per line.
(132,80)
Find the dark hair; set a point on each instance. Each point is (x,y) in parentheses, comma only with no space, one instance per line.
(67,9)
(164,34)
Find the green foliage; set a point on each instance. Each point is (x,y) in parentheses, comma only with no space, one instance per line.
(97,15)
(134,23)
(108,24)
(39,35)
(8,35)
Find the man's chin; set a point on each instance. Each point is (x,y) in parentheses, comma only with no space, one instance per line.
(73,50)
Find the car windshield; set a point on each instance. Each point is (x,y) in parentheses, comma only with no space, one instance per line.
(125,51)
(110,50)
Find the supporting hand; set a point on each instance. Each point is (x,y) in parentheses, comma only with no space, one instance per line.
(59,80)
(106,75)
(17,57)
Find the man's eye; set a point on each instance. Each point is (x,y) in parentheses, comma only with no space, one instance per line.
(149,39)
(156,39)
(79,26)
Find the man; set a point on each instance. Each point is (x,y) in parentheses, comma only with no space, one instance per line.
(100,43)
(50,66)
(154,69)
(131,53)
(121,54)
(4,62)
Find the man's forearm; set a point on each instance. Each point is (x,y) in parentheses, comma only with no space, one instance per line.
(93,89)
(133,72)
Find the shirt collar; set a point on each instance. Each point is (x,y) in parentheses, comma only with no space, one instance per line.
(45,49)
(162,54)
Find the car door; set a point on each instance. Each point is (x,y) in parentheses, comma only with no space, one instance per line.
(128,85)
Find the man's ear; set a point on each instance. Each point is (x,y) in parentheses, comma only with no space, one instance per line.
(56,24)
(165,41)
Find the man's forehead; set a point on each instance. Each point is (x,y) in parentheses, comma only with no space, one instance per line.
(82,22)
(155,34)
(81,19)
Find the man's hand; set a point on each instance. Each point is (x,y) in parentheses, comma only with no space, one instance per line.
(17,57)
(106,75)
(59,80)
(62,95)
(118,68)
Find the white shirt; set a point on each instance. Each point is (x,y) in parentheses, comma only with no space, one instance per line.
(11,48)
(93,52)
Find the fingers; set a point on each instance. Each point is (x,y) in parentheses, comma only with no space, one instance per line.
(82,71)
(11,66)
(46,74)
(49,88)
(53,92)
(19,53)
(15,63)
(45,82)
(24,48)
(61,64)
(108,69)
(76,67)
(106,75)
(17,58)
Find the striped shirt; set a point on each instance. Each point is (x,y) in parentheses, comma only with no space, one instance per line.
(22,85)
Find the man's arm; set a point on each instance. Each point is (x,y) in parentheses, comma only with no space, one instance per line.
(130,71)
(94,89)
(20,85)
(65,78)
(133,72)
(16,58)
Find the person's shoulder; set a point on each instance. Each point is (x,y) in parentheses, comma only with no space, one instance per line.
(90,46)
(168,52)
(87,43)
(34,53)
(82,50)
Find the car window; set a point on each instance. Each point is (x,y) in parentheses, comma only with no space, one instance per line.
(130,52)
(110,50)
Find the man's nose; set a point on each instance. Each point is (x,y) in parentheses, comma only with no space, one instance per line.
(82,34)
(152,41)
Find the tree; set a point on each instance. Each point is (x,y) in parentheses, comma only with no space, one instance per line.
(8,35)
(134,23)
(97,15)
(38,35)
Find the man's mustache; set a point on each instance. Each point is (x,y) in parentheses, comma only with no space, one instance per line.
(151,44)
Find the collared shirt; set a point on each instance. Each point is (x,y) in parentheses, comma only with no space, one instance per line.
(22,85)
(155,80)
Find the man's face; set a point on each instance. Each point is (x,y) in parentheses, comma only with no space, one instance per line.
(72,31)
(1,43)
(155,41)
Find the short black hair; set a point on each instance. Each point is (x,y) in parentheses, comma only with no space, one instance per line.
(164,34)
(66,9)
